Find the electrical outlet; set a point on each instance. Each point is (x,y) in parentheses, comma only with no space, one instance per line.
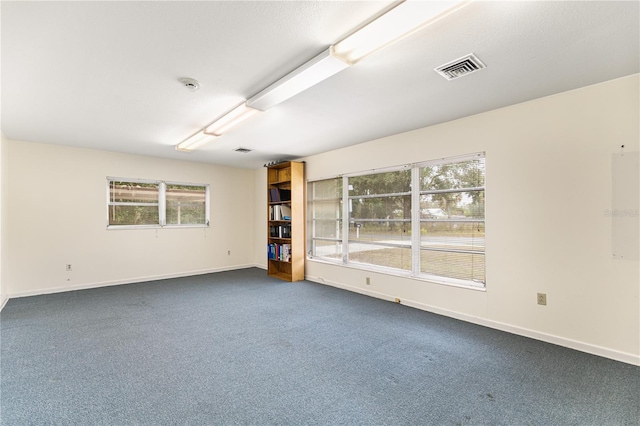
(68,267)
(542,298)
(368,281)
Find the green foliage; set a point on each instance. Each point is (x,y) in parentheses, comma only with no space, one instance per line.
(185,204)
(133,215)
(371,195)
(461,176)
(384,206)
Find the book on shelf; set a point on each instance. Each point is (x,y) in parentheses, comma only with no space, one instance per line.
(285,194)
(280,231)
(277,195)
(285,212)
(281,252)
(280,212)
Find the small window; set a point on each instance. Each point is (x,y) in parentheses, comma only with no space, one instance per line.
(186,204)
(144,203)
(133,203)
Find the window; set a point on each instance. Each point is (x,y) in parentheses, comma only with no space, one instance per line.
(134,203)
(186,204)
(324,207)
(424,220)
(144,203)
(452,220)
(380,219)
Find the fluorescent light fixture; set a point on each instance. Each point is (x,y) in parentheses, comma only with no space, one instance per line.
(231,119)
(309,74)
(404,19)
(194,141)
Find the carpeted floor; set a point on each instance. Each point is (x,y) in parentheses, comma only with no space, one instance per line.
(240,348)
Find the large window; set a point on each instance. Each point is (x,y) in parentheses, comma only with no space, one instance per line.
(144,203)
(424,220)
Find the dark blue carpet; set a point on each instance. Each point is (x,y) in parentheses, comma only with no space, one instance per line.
(240,348)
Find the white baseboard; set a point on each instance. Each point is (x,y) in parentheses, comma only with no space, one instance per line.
(3,301)
(509,328)
(126,281)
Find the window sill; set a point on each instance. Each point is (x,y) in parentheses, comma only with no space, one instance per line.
(129,227)
(451,282)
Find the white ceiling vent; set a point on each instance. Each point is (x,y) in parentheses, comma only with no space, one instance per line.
(460,67)
(242,150)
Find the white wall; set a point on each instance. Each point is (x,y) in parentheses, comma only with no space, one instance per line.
(57,216)
(548,184)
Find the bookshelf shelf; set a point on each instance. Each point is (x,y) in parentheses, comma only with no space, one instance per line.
(286,221)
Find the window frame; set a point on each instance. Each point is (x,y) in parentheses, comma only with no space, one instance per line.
(414,242)
(312,220)
(207,206)
(161,204)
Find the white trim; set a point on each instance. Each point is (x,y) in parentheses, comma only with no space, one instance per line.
(3,301)
(416,225)
(629,358)
(403,273)
(454,159)
(161,204)
(380,170)
(346,206)
(121,179)
(127,281)
(427,163)
(416,221)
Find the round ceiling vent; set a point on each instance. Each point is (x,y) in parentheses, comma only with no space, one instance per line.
(190,84)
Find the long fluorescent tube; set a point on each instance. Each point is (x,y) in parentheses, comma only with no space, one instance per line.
(230,119)
(194,141)
(309,74)
(404,19)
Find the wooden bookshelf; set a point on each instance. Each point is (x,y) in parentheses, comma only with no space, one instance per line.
(286,221)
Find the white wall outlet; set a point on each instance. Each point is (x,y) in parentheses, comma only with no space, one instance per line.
(68,267)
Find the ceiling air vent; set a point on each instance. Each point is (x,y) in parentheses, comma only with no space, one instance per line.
(242,150)
(460,67)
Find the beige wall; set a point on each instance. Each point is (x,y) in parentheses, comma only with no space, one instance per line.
(57,216)
(3,207)
(548,184)
(260,225)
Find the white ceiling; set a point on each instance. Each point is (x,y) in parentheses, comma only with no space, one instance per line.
(104,75)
